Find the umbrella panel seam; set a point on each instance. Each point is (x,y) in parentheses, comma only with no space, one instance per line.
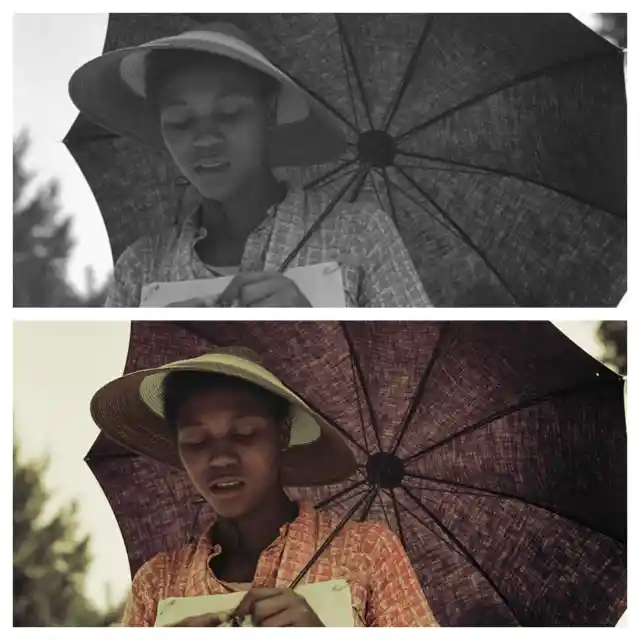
(507,85)
(462,233)
(489,493)
(480,170)
(510,410)
(363,97)
(464,551)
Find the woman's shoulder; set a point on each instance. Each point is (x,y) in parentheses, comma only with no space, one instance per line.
(373,533)
(167,566)
(147,247)
(355,216)
(364,533)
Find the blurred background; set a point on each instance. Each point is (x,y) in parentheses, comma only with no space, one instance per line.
(61,251)
(70,566)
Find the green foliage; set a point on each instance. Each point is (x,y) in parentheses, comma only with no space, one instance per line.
(41,243)
(49,560)
(613,335)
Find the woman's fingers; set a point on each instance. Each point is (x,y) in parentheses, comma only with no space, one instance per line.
(269,607)
(263,289)
(234,289)
(277,608)
(246,606)
(286,618)
(255,293)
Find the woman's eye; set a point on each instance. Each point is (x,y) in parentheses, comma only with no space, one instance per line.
(246,434)
(191,439)
(233,108)
(177,124)
(175,117)
(229,113)
(191,443)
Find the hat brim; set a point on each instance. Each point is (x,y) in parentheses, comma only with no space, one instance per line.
(129,411)
(99,91)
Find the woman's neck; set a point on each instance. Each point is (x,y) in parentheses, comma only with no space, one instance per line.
(242,212)
(255,531)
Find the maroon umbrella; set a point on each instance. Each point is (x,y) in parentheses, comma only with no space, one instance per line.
(499,450)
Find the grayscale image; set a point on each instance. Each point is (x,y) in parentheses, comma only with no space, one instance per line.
(361,160)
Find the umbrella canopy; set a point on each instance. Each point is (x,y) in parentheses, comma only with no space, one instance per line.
(502,162)
(498,450)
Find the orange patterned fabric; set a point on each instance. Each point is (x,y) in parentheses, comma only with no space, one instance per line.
(384,587)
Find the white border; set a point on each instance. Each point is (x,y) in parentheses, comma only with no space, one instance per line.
(430,314)
(626,312)
(319,6)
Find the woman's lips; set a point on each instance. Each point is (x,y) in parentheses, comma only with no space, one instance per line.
(226,488)
(213,167)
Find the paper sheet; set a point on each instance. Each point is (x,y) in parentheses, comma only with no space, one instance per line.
(330,600)
(320,283)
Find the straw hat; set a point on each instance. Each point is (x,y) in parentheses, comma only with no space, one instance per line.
(130,411)
(110,90)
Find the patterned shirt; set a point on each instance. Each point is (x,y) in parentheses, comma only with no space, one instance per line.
(384,587)
(376,268)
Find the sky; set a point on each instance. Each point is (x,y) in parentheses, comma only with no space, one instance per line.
(62,363)
(42,69)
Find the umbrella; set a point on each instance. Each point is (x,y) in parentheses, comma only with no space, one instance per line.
(502,162)
(497,454)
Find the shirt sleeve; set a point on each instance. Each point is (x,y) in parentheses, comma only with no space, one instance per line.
(396,597)
(128,275)
(390,277)
(146,591)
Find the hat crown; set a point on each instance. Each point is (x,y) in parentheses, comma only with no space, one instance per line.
(240,352)
(224,28)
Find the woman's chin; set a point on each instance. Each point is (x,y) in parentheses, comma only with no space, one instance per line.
(215,189)
(229,509)
(230,512)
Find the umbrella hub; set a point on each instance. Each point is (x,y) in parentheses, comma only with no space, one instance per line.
(385,469)
(376,148)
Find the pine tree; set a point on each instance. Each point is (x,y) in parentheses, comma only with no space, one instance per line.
(41,243)
(614,27)
(49,560)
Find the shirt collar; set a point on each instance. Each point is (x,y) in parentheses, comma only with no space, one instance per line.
(292,205)
(300,528)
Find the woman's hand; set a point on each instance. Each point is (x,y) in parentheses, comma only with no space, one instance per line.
(262,289)
(277,608)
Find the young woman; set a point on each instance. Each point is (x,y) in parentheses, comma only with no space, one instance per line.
(240,433)
(228,117)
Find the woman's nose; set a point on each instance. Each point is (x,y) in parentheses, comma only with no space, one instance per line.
(220,460)
(208,139)
(208,133)
(222,454)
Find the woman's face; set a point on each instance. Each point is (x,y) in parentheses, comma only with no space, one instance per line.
(230,447)
(214,123)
